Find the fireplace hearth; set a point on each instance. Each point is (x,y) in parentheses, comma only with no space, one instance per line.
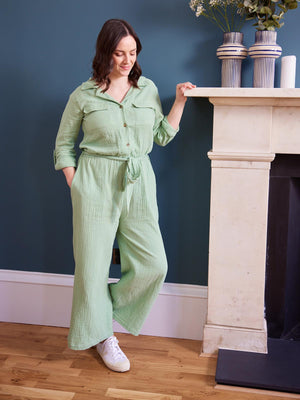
(282,294)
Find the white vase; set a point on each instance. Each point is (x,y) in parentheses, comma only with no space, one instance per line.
(264,52)
(232,52)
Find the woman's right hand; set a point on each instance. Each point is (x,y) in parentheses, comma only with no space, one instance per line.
(69,174)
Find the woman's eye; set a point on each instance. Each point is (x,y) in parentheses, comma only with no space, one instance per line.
(121,54)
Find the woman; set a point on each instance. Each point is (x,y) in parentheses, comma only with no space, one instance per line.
(113,192)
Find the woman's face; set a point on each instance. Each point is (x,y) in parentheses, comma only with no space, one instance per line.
(124,57)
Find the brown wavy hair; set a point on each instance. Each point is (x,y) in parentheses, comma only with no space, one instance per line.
(110,35)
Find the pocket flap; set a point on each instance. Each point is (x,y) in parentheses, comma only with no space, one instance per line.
(137,105)
(91,107)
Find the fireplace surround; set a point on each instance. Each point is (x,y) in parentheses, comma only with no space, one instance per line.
(251,126)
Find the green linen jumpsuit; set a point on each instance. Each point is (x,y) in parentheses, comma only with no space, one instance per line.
(113,195)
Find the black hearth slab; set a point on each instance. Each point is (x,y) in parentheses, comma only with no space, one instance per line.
(278,370)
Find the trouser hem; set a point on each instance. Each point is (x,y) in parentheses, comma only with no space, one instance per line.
(88,344)
(119,319)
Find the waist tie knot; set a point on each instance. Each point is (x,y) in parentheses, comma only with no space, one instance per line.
(132,171)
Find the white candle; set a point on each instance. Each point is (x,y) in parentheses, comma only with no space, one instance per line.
(288,72)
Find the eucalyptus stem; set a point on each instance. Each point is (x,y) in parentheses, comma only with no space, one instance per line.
(216,20)
(234,19)
(226,18)
(225,25)
(217,11)
(241,24)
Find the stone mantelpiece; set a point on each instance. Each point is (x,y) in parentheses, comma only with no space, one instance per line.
(250,126)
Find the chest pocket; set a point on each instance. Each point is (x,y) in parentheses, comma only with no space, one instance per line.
(96,117)
(91,108)
(143,114)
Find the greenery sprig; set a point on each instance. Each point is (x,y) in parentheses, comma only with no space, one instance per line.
(268,13)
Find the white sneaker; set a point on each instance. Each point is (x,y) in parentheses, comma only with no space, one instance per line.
(112,356)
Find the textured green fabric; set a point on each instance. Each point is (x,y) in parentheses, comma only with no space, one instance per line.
(110,127)
(113,195)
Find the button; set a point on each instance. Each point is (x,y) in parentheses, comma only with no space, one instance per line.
(128,144)
(121,106)
(125,124)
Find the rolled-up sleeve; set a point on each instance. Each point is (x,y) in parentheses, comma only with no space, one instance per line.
(163,131)
(64,154)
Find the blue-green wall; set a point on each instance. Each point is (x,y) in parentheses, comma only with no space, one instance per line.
(46,51)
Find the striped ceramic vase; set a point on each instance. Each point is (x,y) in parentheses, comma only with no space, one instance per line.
(232,52)
(264,52)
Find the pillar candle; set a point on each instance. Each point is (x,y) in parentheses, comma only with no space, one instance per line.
(288,72)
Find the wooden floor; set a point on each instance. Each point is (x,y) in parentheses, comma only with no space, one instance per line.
(35,363)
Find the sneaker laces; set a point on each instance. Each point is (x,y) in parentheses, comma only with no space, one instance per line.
(112,344)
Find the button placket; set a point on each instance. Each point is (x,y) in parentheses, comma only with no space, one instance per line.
(126,131)
(123,115)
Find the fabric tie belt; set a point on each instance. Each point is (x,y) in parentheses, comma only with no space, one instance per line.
(133,168)
(132,171)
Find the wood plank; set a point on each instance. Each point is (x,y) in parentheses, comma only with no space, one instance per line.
(35,393)
(9,378)
(258,391)
(27,347)
(37,366)
(134,395)
(88,396)
(21,361)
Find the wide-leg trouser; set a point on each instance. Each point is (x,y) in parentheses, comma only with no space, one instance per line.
(102,210)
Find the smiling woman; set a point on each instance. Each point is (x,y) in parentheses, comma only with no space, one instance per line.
(124,57)
(113,191)
(116,53)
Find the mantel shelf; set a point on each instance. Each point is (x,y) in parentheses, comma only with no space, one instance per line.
(243,92)
(274,97)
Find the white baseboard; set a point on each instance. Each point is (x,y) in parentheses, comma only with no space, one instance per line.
(46,299)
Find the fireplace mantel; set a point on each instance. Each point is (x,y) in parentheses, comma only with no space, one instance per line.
(250,126)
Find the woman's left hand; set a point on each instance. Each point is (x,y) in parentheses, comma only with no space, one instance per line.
(181,88)
(176,111)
